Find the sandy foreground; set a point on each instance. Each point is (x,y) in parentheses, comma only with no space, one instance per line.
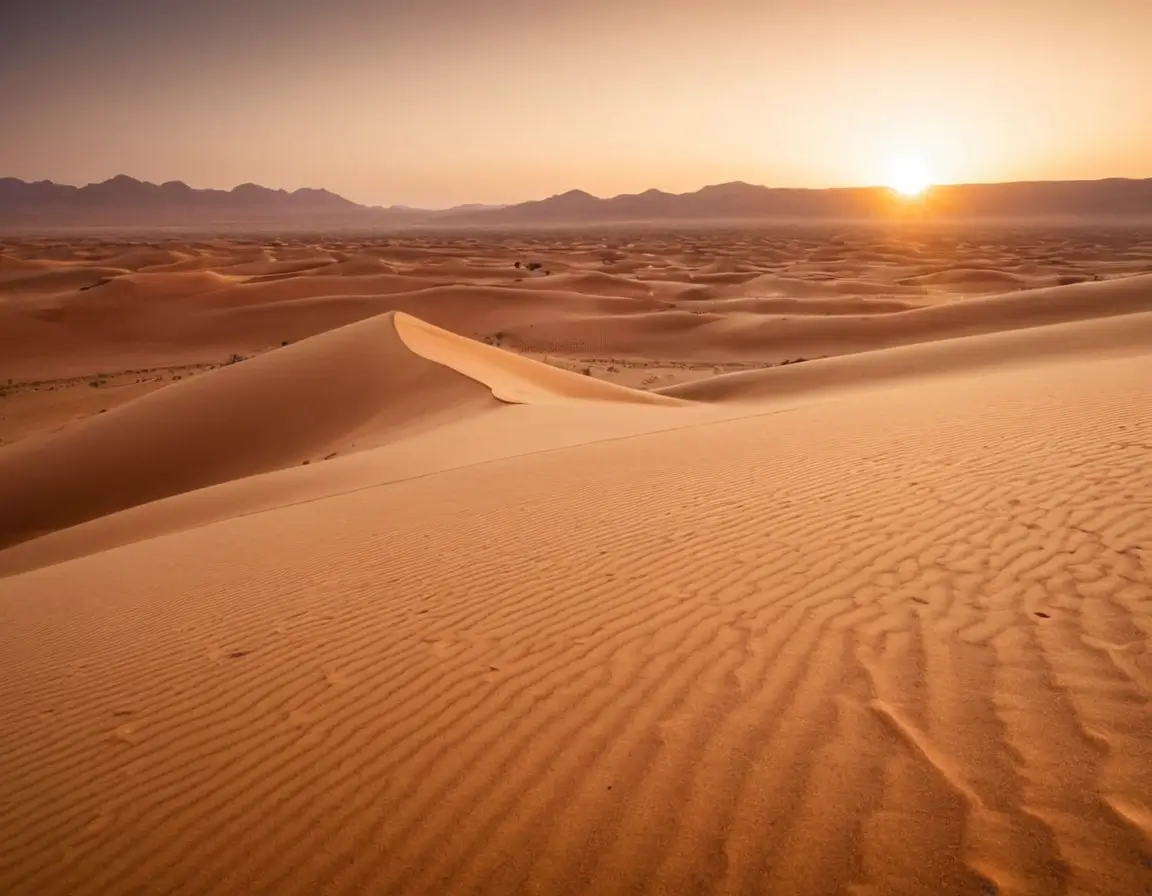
(386,565)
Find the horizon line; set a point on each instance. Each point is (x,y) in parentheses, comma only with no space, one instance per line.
(826,189)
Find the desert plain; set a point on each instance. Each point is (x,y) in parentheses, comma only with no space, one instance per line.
(784,560)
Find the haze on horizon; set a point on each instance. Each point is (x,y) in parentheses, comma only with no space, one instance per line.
(441,102)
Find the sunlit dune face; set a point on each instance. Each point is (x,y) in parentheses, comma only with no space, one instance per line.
(909,176)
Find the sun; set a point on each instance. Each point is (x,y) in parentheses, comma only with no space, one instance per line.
(908,176)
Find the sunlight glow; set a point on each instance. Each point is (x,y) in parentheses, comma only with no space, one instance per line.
(909,176)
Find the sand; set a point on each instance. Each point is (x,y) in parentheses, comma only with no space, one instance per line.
(497,581)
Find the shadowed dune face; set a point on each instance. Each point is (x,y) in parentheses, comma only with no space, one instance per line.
(347,390)
(393,566)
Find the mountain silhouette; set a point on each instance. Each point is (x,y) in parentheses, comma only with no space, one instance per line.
(124,201)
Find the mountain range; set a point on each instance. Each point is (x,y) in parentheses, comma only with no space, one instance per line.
(123,201)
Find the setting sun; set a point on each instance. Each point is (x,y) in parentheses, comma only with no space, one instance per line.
(908,176)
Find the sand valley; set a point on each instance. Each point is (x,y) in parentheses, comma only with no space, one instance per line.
(777,560)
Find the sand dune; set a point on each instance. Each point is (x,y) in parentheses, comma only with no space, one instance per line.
(511,378)
(969,277)
(1108,337)
(595,282)
(141,257)
(400,608)
(345,390)
(508,430)
(359,265)
(56,280)
(774,284)
(790,305)
(702,332)
(138,288)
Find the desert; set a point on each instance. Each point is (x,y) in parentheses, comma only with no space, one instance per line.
(776,558)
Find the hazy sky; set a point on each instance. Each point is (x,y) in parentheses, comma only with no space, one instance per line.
(437,102)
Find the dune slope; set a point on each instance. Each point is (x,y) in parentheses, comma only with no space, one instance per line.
(1110,336)
(345,390)
(716,330)
(350,389)
(512,378)
(895,642)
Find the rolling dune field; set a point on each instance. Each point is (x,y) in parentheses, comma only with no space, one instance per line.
(789,561)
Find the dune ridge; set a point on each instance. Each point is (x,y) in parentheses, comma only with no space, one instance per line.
(1124,334)
(351,389)
(341,391)
(510,377)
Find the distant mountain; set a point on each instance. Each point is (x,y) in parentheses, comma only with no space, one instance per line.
(124,201)
(740,201)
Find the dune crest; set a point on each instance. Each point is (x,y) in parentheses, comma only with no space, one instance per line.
(1111,336)
(511,378)
(346,390)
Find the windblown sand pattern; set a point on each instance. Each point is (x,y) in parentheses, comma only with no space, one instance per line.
(392,610)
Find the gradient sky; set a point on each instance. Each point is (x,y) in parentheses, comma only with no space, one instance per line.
(438,102)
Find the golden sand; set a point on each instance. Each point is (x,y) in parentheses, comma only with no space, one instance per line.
(497,581)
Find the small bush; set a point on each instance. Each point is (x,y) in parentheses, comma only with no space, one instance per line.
(236,359)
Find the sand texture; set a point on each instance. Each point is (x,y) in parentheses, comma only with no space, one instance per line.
(386,566)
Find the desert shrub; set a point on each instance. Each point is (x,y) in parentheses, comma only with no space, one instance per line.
(236,359)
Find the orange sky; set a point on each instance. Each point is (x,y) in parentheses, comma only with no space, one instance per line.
(437,102)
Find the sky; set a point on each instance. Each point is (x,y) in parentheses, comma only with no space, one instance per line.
(439,102)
